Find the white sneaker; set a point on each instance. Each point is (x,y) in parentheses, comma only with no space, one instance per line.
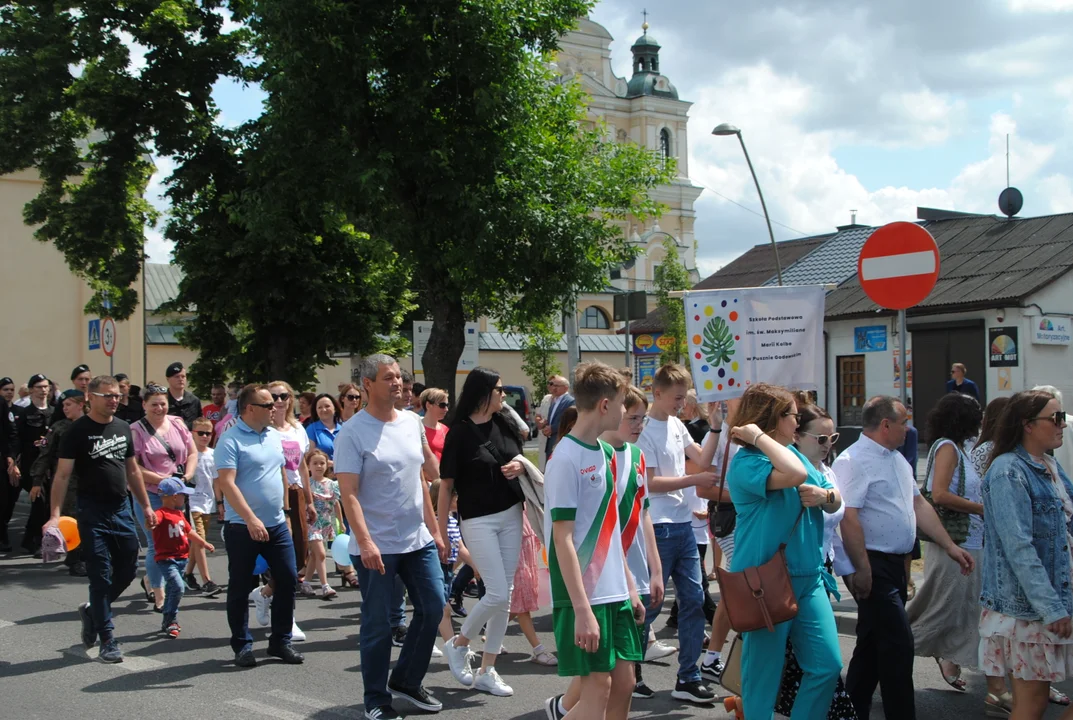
(296,633)
(436,652)
(305,589)
(264,607)
(327,592)
(489,681)
(458,658)
(657,650)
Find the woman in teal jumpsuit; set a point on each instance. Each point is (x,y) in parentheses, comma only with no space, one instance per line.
(771,483)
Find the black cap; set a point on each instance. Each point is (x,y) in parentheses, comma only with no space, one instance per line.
(34,379)
(79,370)
(6,381)
(174,369)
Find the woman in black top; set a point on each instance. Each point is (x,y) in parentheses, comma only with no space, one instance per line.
(479,464)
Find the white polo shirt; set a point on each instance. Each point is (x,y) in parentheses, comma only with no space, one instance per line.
(879,483)
(664,444)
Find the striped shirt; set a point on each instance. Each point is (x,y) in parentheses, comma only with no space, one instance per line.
(454,537)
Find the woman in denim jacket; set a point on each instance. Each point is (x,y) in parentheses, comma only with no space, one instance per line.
(1025,627)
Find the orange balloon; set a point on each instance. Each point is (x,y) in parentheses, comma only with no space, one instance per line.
(69,529)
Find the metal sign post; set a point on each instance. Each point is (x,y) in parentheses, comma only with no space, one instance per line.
(905,360)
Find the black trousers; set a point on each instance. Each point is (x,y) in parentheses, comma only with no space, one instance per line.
(884,652)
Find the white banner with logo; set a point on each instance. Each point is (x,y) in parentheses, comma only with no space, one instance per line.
(741,337)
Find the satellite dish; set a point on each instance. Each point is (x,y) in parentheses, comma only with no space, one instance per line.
(1010,201)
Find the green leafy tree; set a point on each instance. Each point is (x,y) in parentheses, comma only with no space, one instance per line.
(540,346)
(279,275)
(468,155)
(671,276)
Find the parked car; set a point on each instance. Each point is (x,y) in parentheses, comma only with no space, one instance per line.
(521,400)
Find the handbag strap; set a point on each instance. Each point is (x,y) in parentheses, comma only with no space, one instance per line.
(961,466)
(160,438)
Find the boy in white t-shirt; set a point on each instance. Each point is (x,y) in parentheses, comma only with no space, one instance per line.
(597,612)
(638,536)
(202,504)
(666,444)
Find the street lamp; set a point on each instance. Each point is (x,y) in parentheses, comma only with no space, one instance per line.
(724,129)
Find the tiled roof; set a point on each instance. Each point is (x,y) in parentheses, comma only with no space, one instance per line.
(984,261)
(511,342)
(752,269)
(831,262)
(161,284)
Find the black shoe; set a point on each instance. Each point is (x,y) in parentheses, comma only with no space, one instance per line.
(713,672)
(457,609)
(145,589)
(384,712)
(192,587)
(78,570)
(471,590)
(642,691)
(210,589)
(398,636)
(551,708)
(244,658)
(672,621)
(418,697)
(694,692)
(287,654)
(89,635)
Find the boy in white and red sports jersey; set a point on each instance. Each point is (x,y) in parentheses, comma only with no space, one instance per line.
(597,612)
(638,535)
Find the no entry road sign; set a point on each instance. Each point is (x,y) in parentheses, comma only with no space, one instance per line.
(898,265)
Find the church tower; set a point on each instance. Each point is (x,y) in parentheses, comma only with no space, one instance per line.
(645,110)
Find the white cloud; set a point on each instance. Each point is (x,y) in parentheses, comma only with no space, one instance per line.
(1048,6)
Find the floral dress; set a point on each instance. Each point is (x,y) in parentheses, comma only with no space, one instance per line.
(325,496)
(1026,648)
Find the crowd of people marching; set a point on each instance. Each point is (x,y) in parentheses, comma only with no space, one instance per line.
(626,495)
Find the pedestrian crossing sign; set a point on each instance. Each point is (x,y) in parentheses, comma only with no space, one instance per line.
(95,334)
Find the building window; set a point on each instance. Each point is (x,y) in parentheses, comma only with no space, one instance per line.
(851,392)
(664,145)
(595,319)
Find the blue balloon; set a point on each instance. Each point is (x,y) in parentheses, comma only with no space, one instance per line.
(261,566)
(341,549)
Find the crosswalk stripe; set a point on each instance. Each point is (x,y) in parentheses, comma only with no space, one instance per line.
(131,663)
(263,709)
(317,704)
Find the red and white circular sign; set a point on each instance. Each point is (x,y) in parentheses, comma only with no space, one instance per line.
(108,337)
(898,265)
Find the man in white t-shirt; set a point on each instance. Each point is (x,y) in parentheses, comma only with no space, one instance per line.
(379,456)
(666,444)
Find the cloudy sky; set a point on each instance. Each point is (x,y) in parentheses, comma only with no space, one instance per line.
(874,107)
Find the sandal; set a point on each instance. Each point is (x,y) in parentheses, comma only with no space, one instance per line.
(350,579)
(544,658)
(999,706)
(148,593)
(953,681)
(1058,697)
(712,576)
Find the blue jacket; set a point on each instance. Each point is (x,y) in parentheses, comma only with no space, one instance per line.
(1026,550)
(553,422)
(967,387)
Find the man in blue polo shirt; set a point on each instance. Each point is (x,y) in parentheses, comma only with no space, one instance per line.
(249,459)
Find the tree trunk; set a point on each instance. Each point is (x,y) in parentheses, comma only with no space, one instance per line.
(278,357)
(446,341)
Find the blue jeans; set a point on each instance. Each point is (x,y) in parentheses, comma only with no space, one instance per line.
(678,553)
(156,580)
(421,574)
(172,570)
(398,604)
(110,551)
(242,552)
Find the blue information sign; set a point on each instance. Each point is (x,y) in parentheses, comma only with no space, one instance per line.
(870,339)
(95,334)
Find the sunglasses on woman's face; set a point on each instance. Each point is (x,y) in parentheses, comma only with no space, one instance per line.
(823,439)
(203,433)
(443,405)
(1059,418)
(281,397)
(353,398)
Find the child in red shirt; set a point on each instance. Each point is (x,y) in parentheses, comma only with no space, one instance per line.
(171,538)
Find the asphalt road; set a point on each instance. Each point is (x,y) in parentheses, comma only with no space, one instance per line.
(45,673)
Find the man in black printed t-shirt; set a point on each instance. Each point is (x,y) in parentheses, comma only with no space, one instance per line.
(98,447)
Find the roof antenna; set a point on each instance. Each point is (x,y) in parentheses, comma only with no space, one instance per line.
(1010,200)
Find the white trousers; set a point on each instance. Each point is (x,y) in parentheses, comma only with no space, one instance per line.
(494,542)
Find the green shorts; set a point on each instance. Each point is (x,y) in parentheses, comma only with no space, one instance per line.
(620,639)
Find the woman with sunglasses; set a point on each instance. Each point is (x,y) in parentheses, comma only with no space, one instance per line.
(295,445)
(326,424)
(781,497)
(350,402)
(943,614)
(815,437)
(433,402)
(1025,626)
(163,448)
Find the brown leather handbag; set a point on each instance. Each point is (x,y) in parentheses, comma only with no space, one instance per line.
(762,596)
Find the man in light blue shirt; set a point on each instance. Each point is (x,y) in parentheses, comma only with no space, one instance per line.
(249,459)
